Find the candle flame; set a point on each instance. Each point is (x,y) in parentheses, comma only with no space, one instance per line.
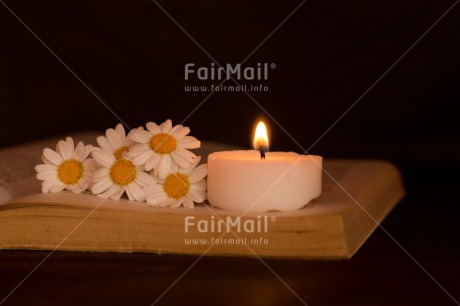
(260,137)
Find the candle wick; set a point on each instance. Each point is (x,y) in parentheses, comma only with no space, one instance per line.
(262,152)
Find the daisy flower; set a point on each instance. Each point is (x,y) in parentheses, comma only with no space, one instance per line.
(116,141)
(66,168)
(117,176)
(185,186)
(163,148)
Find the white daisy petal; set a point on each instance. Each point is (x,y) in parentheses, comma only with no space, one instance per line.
(101,185)
(129,138)
(202,194)
(113,138)
(51,182)
(56,188)
(156,196)
(99,174)
(165,166)
(121,132)
(195,196)
(136,192)
(103,158)
(142,159)
(129,194)
(167,202)
(166,126)
(117,195)
(107,150)
(83,184)
(188,204)
(74,188)
(46,161)
(46,175)
(144,179)
(176,129)
(141,136)
(88,164)
(180,160)
(196,162)
(192,165)
(153,189)
(79,151)
(174,167)
(201,185)
(45,167)
(189,142)
(109,192)
(103,143)
(153,163)
(86,151)
(63,149)
(52,156)
(198,173)
(153,128)
(94,165)
(138,149)
(70,143)
(177,203)
(180,132)
(45,189)
(156,199)
(186,155)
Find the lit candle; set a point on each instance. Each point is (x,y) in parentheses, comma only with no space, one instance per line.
(257,180)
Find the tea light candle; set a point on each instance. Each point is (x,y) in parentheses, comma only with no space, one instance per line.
(258,181)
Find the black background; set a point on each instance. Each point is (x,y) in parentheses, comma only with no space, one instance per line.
(327,55)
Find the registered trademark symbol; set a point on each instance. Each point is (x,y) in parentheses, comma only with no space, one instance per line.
(272,65)
(273,218)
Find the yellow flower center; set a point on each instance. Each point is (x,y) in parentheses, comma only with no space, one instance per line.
(70,171)
(119,152)
(163,143)
(123,172)
(176,185)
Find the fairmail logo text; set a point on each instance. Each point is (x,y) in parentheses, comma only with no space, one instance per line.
(228,71)
(227,224)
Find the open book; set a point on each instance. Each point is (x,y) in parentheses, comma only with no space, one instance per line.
(360,195)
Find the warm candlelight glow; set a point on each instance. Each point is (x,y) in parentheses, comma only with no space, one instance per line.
(258,181)
(260,137)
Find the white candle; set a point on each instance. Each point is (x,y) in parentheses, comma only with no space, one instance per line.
(243,181)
